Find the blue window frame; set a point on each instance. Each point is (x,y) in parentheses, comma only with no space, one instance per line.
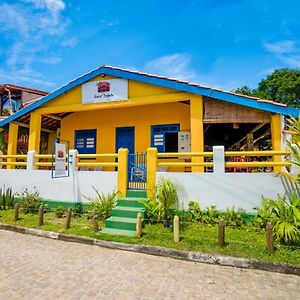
(85,141)
(164,137)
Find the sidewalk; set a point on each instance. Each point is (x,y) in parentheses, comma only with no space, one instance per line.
(39,268)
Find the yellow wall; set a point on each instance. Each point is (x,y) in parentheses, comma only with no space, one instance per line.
(141,117)
(135,89)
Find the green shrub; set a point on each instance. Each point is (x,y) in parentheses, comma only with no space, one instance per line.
(294,143)
(153,210)
(195,213)
(59,211)
(168,192)
(211,215)
(284,214)
(104,203)
(233,217)
(7,198)
(30,201)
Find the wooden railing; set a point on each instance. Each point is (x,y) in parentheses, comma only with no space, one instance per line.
(254,155)
(83,162)
(44,164)
(14,160)
(184,159)
(234,161)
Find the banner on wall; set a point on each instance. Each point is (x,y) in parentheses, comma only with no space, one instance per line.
(60,162)
(105,91)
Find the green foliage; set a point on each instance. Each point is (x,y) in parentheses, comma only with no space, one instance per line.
(168,192)
(153,210)
(59,211)
(7,198)
(30,201)
(212,216)
(294,144)
(234,217)
(283,85)
(245,90)
(104,203)
(195,213)
(284,214)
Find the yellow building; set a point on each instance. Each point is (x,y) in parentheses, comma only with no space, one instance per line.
(111,108)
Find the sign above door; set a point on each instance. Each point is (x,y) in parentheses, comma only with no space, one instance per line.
(104,91)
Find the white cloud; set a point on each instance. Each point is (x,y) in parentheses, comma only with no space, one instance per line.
(71,43)
(287,51)
(177,65)
(54,6)
(30,26)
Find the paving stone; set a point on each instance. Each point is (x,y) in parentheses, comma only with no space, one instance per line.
(37,268)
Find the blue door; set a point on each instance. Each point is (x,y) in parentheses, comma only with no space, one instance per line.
(85,141)
(125,138)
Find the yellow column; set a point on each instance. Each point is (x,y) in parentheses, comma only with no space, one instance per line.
(276,134)
(151,172)
(12,143)
(122,171)
(35,132)
(197,138)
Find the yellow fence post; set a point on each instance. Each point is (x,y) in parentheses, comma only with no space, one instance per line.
(122,171)
(197,139)
(35,132)
(151,172)
(276,139)
(12,143)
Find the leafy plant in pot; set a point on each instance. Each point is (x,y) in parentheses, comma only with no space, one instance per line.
(168,193)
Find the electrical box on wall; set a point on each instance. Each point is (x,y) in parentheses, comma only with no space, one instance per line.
(184,141)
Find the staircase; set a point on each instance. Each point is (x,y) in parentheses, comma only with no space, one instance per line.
(124,215)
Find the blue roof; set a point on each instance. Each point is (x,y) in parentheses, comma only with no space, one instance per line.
(171,83)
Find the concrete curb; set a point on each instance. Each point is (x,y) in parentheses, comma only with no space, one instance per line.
(160,251)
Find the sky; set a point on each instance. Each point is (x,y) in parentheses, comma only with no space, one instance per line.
(219,43)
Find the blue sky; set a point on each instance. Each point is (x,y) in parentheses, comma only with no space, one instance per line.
(220,43)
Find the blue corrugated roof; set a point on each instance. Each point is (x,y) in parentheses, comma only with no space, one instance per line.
(171,83)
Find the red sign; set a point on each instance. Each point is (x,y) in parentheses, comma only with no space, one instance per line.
(103,86)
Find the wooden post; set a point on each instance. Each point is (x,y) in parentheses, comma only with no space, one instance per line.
(139,225)
(95,221)
(270,242)
(221,241)
(69,215)
(17,208)
(176,229)
(41,215)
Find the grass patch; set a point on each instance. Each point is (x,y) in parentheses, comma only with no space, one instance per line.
(245,242)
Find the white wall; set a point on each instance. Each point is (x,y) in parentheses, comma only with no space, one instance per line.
(241,190)
(67,189)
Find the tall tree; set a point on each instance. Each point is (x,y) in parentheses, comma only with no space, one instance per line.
(283,85)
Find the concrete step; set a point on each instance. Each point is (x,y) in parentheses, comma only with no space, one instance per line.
(131,202)
(128,212)
(113,231)
(121,223)
(136,193)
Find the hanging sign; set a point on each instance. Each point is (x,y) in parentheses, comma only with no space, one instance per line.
(60,160)
(105,91)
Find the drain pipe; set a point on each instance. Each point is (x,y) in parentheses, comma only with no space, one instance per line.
(9,99)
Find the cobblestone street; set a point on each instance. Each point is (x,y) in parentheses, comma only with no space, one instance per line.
(38,268)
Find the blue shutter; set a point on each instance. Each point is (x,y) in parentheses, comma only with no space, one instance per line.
(158,138)
(85,141)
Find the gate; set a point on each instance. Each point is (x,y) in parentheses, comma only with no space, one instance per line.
(137,171)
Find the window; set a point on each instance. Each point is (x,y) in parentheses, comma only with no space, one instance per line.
(85,141)
(165,137)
